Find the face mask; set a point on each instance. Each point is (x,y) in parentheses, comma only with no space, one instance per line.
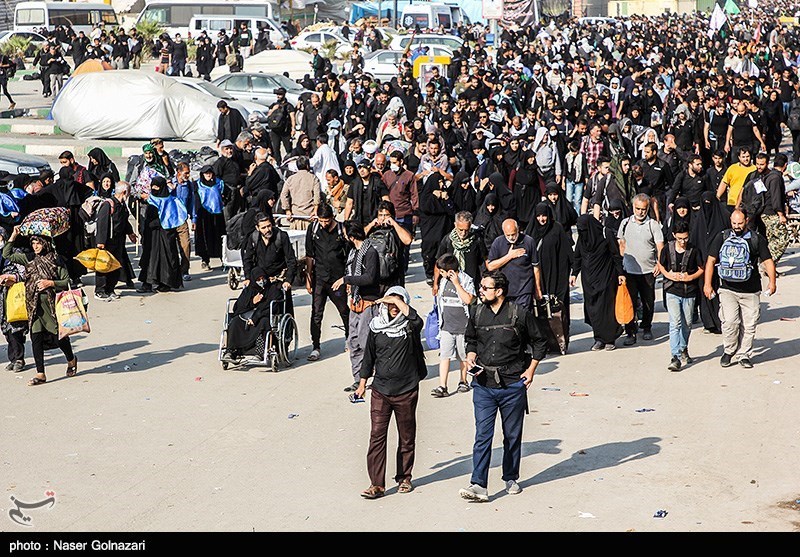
(394,167)
(480,157)
(261,283)
(553,133)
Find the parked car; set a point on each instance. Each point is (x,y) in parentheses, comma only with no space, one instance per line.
(36,40)
(400,42)
(318,40)
(245,108)
(259,87)
(382,64)
(15,163)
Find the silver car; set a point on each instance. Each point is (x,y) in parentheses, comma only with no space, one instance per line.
(259,87)
(15,162)
(245,108)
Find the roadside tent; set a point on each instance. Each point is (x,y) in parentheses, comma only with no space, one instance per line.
(131,104)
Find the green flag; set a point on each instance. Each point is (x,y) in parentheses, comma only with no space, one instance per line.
(731,7)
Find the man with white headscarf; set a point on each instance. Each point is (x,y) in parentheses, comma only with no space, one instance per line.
(547,159)
(395,360)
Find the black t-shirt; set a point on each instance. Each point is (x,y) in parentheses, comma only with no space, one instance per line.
(759,252)
(718,125)
(743,129)
(329,250)
(682,289)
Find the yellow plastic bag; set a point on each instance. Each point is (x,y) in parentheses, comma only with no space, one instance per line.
(15,303)
(88,258)
(105,262)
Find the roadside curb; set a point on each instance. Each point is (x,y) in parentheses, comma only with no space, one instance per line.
(31,126)
(35,113)
(54,149)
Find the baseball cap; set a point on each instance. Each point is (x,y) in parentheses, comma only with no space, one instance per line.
(225,143)
(364,163)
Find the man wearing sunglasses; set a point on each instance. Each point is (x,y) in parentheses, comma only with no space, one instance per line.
(497,336)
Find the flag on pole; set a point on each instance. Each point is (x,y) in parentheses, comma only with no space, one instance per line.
(731,7)
(718,20)
(752,4)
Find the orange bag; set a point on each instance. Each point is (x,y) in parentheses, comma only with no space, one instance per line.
(623,307)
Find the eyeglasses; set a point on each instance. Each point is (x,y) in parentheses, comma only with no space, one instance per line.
(484,287)
(682,240)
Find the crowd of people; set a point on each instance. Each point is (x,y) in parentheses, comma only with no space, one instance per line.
(606,155)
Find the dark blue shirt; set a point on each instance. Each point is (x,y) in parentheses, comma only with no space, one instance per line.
(518,271)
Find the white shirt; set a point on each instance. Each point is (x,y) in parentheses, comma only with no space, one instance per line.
(323,160)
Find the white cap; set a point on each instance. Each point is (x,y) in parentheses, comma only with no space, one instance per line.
(370,146)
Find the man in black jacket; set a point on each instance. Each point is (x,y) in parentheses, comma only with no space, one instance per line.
(363,280)
(179,56)
(261,175)
(269,248)
(497,336)
(326,249)
(312,123)
(227,170)
(229,124)
(283,131)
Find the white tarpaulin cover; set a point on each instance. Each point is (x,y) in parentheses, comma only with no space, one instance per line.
(132,104)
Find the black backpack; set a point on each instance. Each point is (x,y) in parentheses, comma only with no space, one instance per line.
(134,161)
(233,230)
(754,202)
(276,121)
(385,243)
(793,120)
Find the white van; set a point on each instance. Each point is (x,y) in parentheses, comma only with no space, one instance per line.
(427,15)
(31,16)
(212,24)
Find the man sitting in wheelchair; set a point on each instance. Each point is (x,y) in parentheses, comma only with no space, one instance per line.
(249,321)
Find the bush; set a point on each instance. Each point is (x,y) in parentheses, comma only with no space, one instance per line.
(148,31)
(16,47)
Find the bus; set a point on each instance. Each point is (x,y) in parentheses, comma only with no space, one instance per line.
(81,16)
(174,15)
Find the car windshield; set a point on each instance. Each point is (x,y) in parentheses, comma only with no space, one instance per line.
(214,91)
(4,35)
(286,83)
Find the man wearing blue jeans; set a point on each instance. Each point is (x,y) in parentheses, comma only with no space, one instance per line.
(497,335)
(681,265)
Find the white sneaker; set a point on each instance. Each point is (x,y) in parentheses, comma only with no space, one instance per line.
(475,493)
(512,487)
(314,356)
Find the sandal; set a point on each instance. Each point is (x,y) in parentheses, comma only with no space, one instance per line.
(440,392)
(72,367)
(405,487)
(37,381)
(373,492)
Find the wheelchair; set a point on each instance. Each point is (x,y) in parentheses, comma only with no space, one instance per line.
(275,349)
